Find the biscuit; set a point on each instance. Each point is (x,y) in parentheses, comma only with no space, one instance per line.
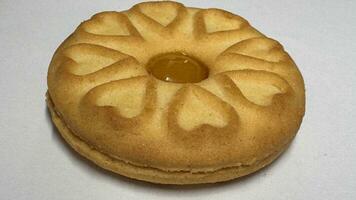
(231,111)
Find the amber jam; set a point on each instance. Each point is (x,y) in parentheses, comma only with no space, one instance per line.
(178,68)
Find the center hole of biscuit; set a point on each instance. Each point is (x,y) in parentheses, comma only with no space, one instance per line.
(177,67)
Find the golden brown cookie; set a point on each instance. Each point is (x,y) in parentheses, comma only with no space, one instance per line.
(175,95)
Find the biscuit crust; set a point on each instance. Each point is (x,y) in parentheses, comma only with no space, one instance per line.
(150,174)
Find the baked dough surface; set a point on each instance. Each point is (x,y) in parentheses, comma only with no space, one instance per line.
(111,110)
(148,173)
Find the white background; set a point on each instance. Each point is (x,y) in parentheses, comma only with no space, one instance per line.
(35,163)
